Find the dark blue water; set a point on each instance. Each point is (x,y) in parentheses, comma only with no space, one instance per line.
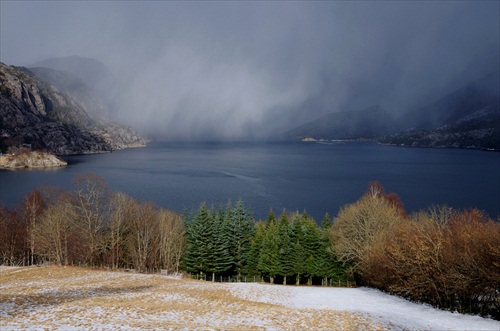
(316,177)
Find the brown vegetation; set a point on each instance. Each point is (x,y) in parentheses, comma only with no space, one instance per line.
(444,257)
(91,226)
(360,225)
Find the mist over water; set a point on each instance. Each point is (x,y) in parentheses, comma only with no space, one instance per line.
(248,70)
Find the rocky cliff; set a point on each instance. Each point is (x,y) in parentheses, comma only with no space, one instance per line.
(36,112)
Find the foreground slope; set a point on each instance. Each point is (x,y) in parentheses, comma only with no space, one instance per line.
(75,298)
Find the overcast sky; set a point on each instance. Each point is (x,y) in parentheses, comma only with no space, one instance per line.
(232,69)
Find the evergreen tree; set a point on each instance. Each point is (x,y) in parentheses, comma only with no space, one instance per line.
(269,262)
(310,244)
(198,242)
(240,230)
(327,265)
(285,247)
(326,223)
(219,258)
(252,266)
(299,255)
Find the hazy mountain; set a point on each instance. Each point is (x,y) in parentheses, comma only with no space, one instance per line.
(449,109)
(36,112)
(368,123)
(466,118)
(77,89)
(92,72)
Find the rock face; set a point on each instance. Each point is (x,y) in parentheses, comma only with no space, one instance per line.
(38,113)
(93,73)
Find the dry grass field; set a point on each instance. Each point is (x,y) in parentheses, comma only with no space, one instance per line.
(71,298)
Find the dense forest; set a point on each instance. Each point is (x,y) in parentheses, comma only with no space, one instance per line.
(448,258)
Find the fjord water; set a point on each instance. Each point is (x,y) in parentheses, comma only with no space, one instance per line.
(314,177)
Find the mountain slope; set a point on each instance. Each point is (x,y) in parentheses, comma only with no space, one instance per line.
(75,88)
(463,102)
(466,118)
(35,112)
(92,72)
(367,123)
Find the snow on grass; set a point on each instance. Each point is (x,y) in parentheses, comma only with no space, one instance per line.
(388,309)
(66,298)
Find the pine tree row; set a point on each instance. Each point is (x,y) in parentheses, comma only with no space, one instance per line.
(228,242)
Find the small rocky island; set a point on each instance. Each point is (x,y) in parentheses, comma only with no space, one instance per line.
(26,158)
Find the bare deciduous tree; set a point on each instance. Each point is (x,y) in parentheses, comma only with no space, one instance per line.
(12,237)
(53,231)
(143,234)
(358,226)
(171,240)
(91,205)
(117,227)
(33,208)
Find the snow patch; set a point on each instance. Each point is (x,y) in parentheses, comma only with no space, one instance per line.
(388,309)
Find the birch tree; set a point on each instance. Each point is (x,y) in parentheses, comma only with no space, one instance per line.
(172,240)
(52,234)
(143,235)
(91,197)
(33,207)
(117,227)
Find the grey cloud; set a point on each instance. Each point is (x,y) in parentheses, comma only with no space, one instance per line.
(238,70)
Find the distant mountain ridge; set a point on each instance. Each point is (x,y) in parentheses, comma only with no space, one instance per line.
(474,96)
(362,124)
(466,118)
(36,112)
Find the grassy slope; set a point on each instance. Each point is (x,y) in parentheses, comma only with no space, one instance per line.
(69,297)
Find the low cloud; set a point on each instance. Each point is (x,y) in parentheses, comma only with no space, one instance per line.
(243,70)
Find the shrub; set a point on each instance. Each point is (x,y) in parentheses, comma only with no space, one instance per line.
(448,258)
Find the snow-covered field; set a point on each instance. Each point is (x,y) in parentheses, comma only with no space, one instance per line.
(58,298)
(387,309)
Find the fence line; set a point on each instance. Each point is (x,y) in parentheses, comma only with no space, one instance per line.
(261,279)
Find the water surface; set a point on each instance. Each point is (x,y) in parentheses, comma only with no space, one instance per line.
(316,177)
